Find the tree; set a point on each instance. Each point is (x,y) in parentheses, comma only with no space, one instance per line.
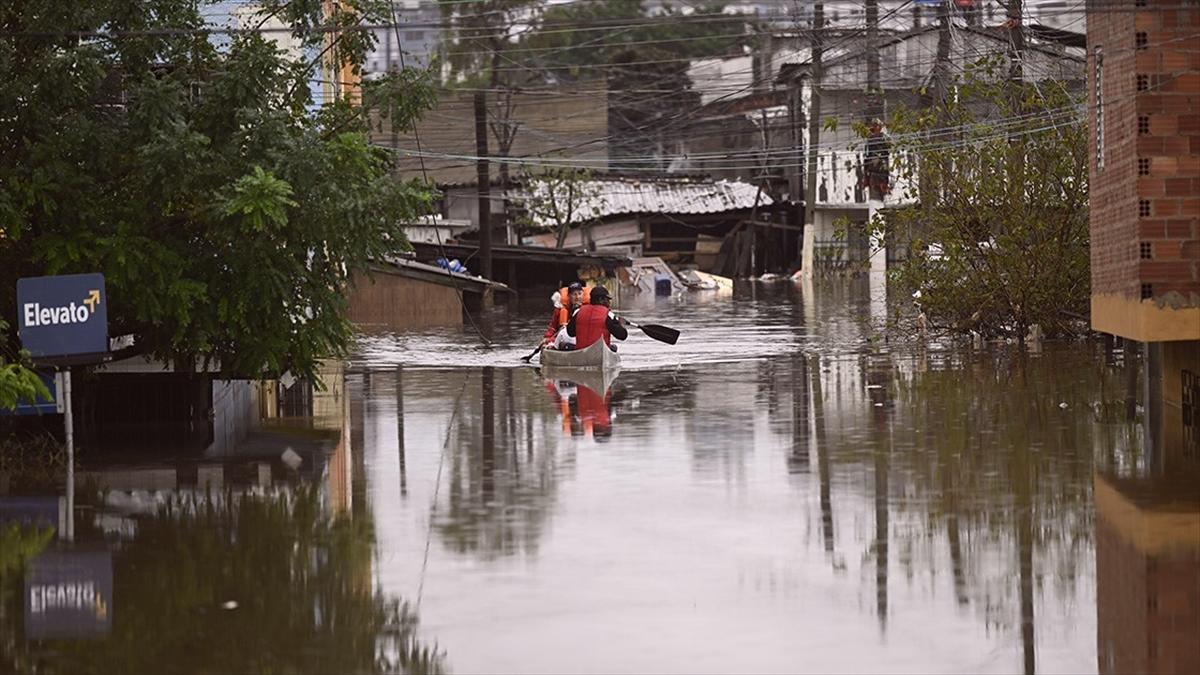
(998,220)
(619,27)
(557,198)
(226,209)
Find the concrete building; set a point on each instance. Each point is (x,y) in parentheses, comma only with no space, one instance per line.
(1144,102)
(559,123)
(417,36)
(893,14)
(906,65)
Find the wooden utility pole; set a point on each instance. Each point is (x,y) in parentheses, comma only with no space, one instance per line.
(1016,77)
(814,134)
(485,191)
(1015,19)
(941,66)
(873,90)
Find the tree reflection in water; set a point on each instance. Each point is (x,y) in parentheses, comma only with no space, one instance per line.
(300,578)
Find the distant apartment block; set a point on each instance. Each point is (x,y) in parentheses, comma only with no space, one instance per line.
(412,42)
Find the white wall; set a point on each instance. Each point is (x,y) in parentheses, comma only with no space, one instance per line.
(235,414)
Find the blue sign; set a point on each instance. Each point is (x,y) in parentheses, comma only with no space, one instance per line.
(51,406)
(69,594)
(63,316)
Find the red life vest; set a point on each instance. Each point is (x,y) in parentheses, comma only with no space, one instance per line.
(591,325)
(593,408)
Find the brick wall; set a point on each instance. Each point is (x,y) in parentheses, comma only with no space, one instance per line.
(1145,199)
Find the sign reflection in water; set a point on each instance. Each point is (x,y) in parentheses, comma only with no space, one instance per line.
(69,594)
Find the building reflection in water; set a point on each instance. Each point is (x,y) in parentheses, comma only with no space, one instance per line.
(1148,561)
(224,567)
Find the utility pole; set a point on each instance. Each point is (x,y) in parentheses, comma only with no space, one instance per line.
(485,196)
(941,66)
(1016,78)
(873,90)
(814,133)
(1015,20)
(795,213)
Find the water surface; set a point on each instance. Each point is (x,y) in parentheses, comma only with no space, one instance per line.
(791,488)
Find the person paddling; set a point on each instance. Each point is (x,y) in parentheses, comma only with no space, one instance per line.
(594,321)
(570,299)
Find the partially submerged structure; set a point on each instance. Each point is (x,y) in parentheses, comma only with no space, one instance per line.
(681,219)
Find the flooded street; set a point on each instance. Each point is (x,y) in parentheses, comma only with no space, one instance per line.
(785,490)
(780,492)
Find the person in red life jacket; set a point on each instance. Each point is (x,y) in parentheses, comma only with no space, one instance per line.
(593,409)
(570,299)
(594,321)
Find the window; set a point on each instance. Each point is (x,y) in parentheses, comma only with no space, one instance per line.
(1098,86)
(1140,40)
(1143,82)
(1143,166)
(414,36)
(1147,291)
(1143,208)
(1146,250)
(1143,125)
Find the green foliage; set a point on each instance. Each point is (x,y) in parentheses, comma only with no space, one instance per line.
(226,209)
(622,29)
(560,46)
(18,544)
(999,223)
(17,382)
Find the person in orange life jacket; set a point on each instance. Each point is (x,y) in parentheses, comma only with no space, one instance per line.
(594,321)
(564,392)
(566,301)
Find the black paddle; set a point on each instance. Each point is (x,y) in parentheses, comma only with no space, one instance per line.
(657,332)
(537,351)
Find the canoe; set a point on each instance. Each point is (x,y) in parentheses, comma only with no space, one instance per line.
(596,357)
(598,380)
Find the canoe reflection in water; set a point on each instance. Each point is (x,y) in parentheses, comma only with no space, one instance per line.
(585,400)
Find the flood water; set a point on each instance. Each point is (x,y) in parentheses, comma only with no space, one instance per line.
(790,488)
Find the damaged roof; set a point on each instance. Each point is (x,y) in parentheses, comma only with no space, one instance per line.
(596,199)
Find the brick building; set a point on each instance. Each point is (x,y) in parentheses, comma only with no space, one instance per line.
(1144,115)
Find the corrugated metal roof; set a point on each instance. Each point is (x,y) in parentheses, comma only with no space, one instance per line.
(594,199)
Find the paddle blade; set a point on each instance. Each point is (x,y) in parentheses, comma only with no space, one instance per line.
(660,333)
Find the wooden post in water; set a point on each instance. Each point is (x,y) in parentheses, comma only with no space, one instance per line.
(484,194)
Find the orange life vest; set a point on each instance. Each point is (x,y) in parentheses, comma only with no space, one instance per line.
(564,299)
